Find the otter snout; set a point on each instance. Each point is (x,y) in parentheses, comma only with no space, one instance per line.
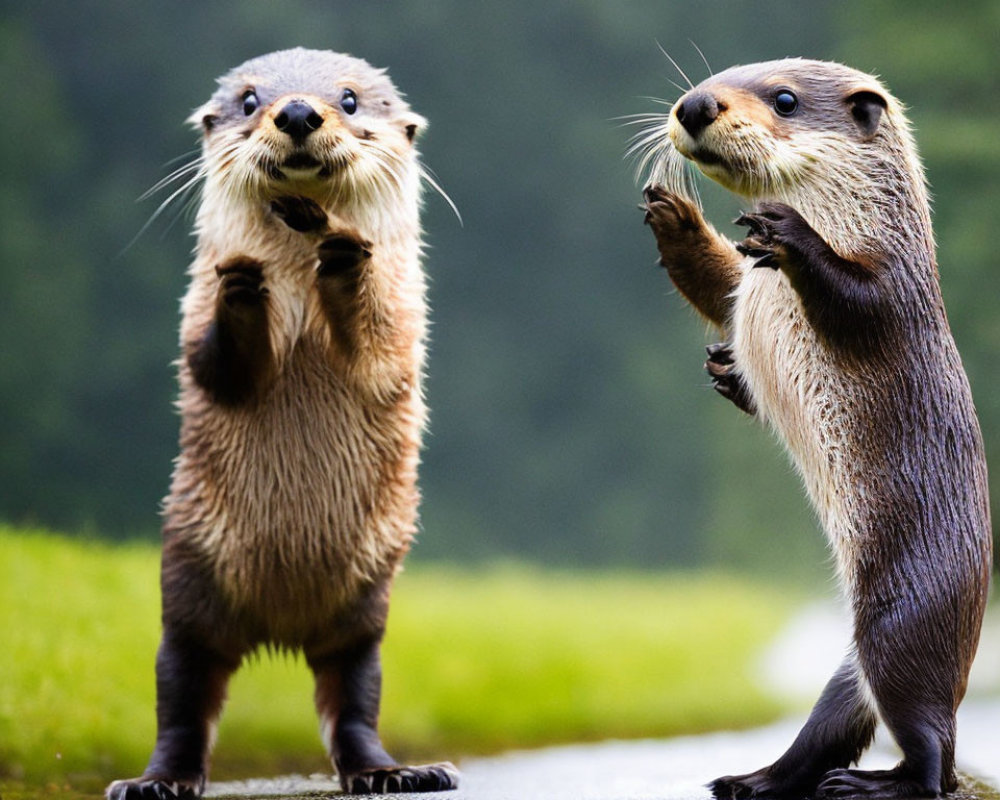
(298,119)
(696,111)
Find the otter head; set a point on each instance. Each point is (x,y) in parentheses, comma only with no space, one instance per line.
(824,138)
(308,122)
(763,129)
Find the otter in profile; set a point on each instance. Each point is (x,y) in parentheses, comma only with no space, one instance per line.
(838,340)
(294,497)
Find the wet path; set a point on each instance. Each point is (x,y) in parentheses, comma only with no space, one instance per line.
(673,769)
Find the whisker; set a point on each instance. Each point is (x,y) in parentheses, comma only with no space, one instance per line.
(707,66)
(677,67)
(428,176)
(659,100)
(176,175)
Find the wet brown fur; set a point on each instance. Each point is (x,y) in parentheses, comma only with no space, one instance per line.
(839,341)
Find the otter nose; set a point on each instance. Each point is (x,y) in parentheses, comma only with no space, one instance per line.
(697,111)
(298,119)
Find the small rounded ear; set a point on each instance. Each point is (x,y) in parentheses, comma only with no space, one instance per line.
(866,108)
(413,124)
(204,118)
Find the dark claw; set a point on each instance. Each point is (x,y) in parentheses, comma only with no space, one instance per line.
(652,194)
(766,260)
(725,380)
(753,222)
(765,257)
(749,250)
(721,353)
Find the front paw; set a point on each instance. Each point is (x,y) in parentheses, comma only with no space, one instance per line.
(342,254)
(677,223)
(726,380)
(241,282)
(300,213)
(668,213)
(774,230)
(398,779)
(684,239)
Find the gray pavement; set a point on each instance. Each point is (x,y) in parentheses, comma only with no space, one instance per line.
(796,665)
(674,769)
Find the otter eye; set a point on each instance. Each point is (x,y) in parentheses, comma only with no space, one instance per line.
(785,103)
(349,101)
(250,102)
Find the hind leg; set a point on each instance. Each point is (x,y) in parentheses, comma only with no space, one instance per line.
(190,689)
(839,728)
(914,684)
(348,692)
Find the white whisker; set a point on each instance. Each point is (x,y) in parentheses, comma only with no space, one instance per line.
(426,174)
(677,67)
(707,66)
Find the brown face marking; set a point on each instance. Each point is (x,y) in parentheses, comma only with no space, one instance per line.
(744,107)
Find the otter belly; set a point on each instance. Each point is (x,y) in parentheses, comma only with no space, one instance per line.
(301,499)
(799,392)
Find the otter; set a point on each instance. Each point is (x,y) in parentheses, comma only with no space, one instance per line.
(837,339)
(294,497)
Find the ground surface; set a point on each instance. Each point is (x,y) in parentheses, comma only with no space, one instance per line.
(675,769)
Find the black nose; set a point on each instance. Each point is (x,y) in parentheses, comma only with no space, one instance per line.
(298,119)
(697,111)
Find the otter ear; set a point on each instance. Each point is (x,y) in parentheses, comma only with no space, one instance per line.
(413,124)
(204,118)
(866,108)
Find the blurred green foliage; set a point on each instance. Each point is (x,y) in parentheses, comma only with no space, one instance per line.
(474,661)
(571,423)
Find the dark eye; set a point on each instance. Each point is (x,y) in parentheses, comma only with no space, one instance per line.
(250,102)
(349,101)
(785,103)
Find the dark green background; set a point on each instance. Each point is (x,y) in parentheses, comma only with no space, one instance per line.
(571,419)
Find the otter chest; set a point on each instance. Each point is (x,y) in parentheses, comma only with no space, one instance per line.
(799,389)
(307,494)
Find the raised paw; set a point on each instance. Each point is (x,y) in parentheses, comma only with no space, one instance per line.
(341,253)
(840,784)
(241,281)
(668,213)
(399,779)
(153,789)
(726,380)
(774,229)
(300,213)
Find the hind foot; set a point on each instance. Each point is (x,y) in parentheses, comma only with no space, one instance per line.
(764,783)
(393,780)
(840,784)
(154,789)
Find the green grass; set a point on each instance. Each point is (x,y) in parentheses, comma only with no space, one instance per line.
(475,661)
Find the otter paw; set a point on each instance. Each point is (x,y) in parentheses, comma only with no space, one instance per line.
(668,211)
(342,253)
(775,229)
(761,783)
(300,213)
(153,789)
(726,380)
(241,281)
(392,780)
(888,783)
